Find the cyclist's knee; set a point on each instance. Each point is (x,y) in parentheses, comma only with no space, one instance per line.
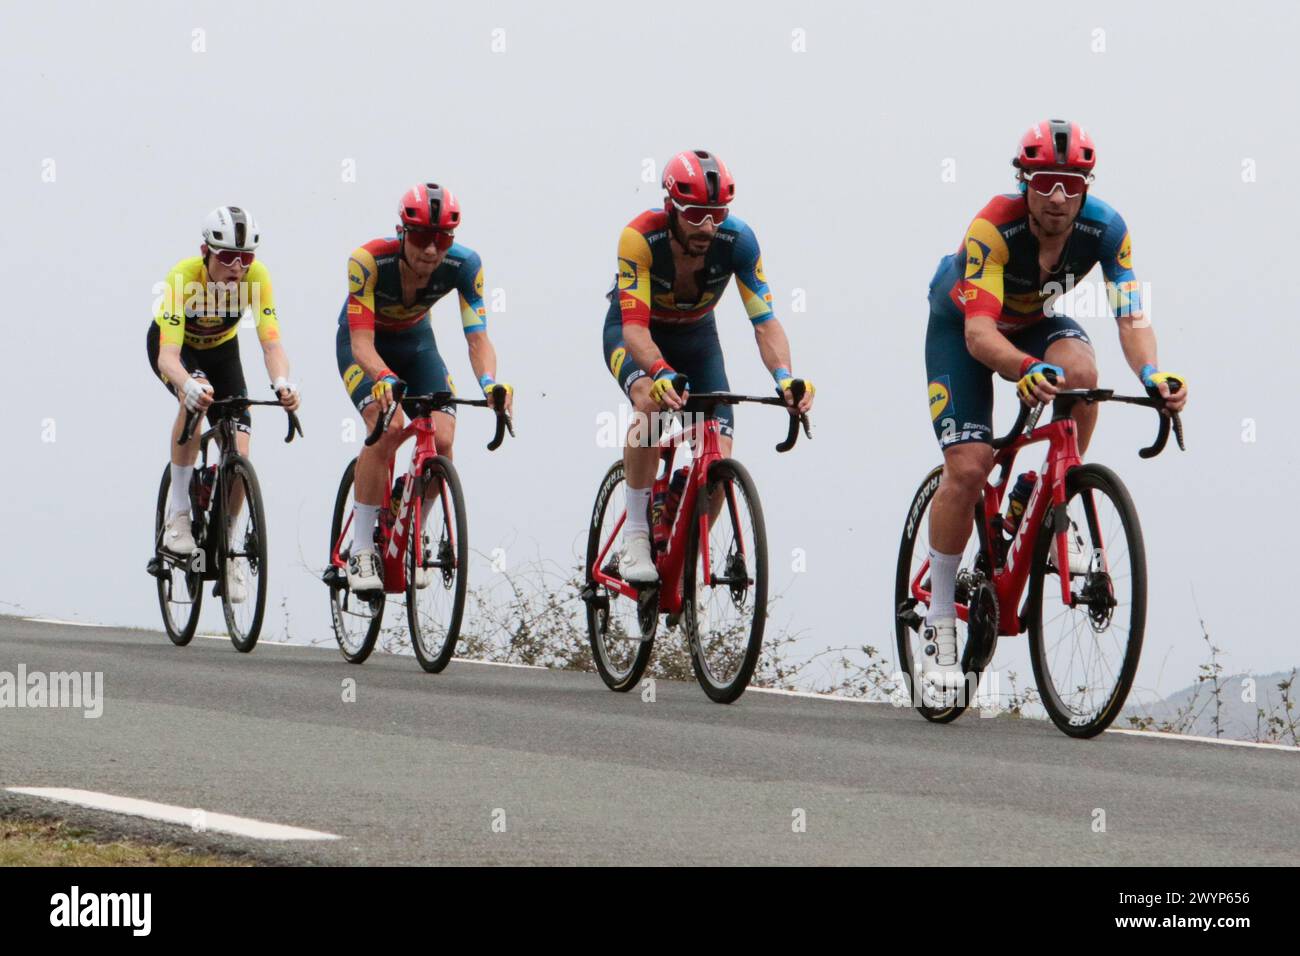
(966,467)
(1078,360)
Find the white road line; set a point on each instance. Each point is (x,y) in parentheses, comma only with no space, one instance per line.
(1225,741)
(55,620)
(196,819)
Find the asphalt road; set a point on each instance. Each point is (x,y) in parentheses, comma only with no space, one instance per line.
(499,765)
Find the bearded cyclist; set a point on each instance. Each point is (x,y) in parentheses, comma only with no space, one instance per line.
(193,349)
(674,264)
(385,335)
(991,311)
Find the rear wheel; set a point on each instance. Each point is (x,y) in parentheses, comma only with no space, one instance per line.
(974,590)
(724,588)
(435,611)
(621,633)
(180,582)
(242,547)
(356,617)
(1086,655)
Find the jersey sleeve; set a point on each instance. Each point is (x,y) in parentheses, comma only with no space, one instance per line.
(469,286)
(750,279)
(634,260)
(261,299)
(362,274)
(981,288)
(169,308)
(1116,254)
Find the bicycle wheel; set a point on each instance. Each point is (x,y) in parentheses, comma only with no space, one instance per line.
(621,635)
(725,591)
(434,612)
(241,548)
(356,617)
(180,585)
(909,615)
(1085,656)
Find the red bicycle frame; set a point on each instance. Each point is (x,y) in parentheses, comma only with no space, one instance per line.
(405,521)
(671,562)
(1010,577)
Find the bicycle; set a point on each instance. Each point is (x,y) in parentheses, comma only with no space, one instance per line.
(213,489)
(622,618)
(399,534)
(1107,612)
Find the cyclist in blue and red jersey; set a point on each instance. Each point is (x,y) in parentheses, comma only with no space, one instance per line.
(385,336)
(674,264)
(991,311)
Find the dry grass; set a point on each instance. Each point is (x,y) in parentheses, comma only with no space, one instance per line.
(55,843)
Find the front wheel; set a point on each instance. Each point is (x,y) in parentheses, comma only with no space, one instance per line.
(724,585)
(437,557)
(242,549)
(1085,653)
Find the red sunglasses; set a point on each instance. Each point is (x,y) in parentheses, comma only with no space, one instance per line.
(441,239)
(699,215)
(228,257)
(1072,184)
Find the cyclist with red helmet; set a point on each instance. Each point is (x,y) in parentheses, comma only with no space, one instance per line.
(674,264)
(991,311)
(384,335)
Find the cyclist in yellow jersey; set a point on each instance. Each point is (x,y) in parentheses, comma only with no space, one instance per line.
(193,350)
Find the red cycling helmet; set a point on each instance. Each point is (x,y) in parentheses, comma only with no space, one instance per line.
(1056,144)
(699,178)
(429,206)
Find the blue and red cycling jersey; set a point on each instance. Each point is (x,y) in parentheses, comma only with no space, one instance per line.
(996,272)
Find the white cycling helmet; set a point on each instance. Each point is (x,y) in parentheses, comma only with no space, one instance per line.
(230,227)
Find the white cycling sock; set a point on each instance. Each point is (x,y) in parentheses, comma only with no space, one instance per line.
(638,502)
(180,496)
(364,518)
(943,586)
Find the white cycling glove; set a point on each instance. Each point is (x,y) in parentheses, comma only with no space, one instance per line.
(193,389)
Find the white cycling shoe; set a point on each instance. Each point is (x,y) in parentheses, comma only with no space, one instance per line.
(178,535)
(236,583)
(1080,559)
(635,562)
(941,674)
(363,572)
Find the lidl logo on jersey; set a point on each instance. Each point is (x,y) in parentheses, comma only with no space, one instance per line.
(940,396)
(976,254)
(758,270)
(478,284)
(352,377)
(357,275)
(616,360)
(627,275)
(1125,257)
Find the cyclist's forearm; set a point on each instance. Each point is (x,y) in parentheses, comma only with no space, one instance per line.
(641,347)
(277,362)
(1138,341)
(990,347)
(169,363)
(482,355)
(773,345)
(364,354)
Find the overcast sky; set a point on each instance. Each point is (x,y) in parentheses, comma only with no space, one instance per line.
(126,123)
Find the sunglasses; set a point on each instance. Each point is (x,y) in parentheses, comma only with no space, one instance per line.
(1045,183)
(228,257)
(699,215)
(441,239)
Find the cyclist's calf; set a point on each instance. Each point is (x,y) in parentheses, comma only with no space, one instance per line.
(966,467)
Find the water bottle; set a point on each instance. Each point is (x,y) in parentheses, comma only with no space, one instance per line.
(396,504)
(659,526)
(1024,487)
(207,478)
(675,489)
